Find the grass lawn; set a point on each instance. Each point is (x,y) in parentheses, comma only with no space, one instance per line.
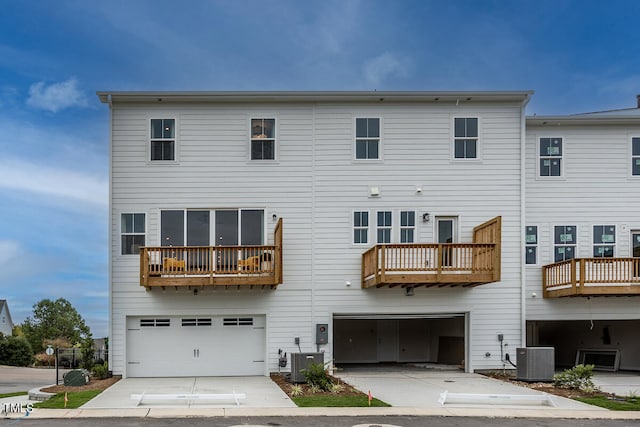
(334,401)
(618,404)
(15,393)
(75,400)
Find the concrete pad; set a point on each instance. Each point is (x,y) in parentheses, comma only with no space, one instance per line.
(421,388)
(260,392)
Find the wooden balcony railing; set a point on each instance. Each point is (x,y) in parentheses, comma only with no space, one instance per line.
(591,277)
(436,264)
(260,265)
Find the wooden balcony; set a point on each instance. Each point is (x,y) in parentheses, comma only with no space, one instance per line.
(436,264)
(592,277)
(194,266)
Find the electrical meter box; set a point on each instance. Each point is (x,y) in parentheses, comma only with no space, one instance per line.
(322,333)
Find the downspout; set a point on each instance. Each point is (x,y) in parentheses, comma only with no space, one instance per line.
(523,219)
(109,230)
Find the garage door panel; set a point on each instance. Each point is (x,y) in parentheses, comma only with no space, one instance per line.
(203,346)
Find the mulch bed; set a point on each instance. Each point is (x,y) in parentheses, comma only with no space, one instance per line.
(545,387)
(93,385)
(287,387)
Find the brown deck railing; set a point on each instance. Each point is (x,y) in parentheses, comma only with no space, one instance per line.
(447,264)
(436,264)
(591,277)
(259,265)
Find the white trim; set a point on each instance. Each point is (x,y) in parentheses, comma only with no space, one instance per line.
(553,241)
(414,227)
(121,233)
(176,139)
(563,157)
(452,144)
(536,245)
(276,123)
(390,227)
(353,227)
(631,156)
(355,138)
(593,244)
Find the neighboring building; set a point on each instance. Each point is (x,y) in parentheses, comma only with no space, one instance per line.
(583,230)
(6,324)
(244,223)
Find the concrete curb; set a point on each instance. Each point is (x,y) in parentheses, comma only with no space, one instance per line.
(40,396)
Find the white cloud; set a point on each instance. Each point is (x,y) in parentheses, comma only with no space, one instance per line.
(383,66)
(56,96)
(10,251)
(20,175)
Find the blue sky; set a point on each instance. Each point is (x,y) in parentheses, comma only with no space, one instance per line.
(578,56)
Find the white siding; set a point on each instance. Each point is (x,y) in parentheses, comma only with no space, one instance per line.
(315,185)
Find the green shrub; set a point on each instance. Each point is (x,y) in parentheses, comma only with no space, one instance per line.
(577,378)
(316,375)
(15,351)
(100,372)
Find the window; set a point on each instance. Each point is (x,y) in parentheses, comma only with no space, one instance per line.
(132,233)
(367,138)
(531,245)
(550,156)
(163,139)
(237,321)
(604,241)
(263,139)
(465,138)
(407,226)
(635,156)
(564,242)
(384,227)
(155,323)
(360,228)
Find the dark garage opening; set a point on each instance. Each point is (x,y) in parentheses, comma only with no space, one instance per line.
(399,339)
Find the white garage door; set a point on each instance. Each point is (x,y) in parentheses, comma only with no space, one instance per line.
(164,346)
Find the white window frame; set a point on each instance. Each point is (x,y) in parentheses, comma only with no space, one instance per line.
(132,233)
(274,139)
(535,245)
(455,138)
(384,227)
(150,140)
(356,138)
(561,158)
(401,227)
(574,245)
(611,245)
(635,158)
(354,228)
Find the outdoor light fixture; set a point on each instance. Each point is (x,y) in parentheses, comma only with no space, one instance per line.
(408,291)
(426,217)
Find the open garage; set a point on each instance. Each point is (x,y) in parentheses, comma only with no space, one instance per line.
(404,338)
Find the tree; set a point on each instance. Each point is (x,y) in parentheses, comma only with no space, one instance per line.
(15,351)
(54,319)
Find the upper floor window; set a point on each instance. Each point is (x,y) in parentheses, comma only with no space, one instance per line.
(360,227)
(132,230)
(550,156)
(367,138)
(531,245)
(465,138)
(407,226)
(163,139)
(564,243)
(604,241)
(635,156)
(384,227)
(263,139)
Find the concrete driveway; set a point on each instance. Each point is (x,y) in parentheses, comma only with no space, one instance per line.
(260,392)
(406,386)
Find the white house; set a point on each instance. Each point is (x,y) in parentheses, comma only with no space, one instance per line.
(6,324)
(371,226)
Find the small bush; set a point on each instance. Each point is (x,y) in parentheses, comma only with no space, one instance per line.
(316,375)
(43,359)
(15,351)
(100,372)
(577,378)
(296,390)
(336,388)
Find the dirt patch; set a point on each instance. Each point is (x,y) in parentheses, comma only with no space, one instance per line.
(545,387)
(93,385)
(305,390)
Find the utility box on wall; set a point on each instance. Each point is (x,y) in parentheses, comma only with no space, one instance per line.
(535,363)
(322,333)
(300,361)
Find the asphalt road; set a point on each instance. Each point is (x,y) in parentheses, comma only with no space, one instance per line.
(13,379)
(389,421)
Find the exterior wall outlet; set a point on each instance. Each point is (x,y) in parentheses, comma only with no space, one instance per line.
(296,340)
